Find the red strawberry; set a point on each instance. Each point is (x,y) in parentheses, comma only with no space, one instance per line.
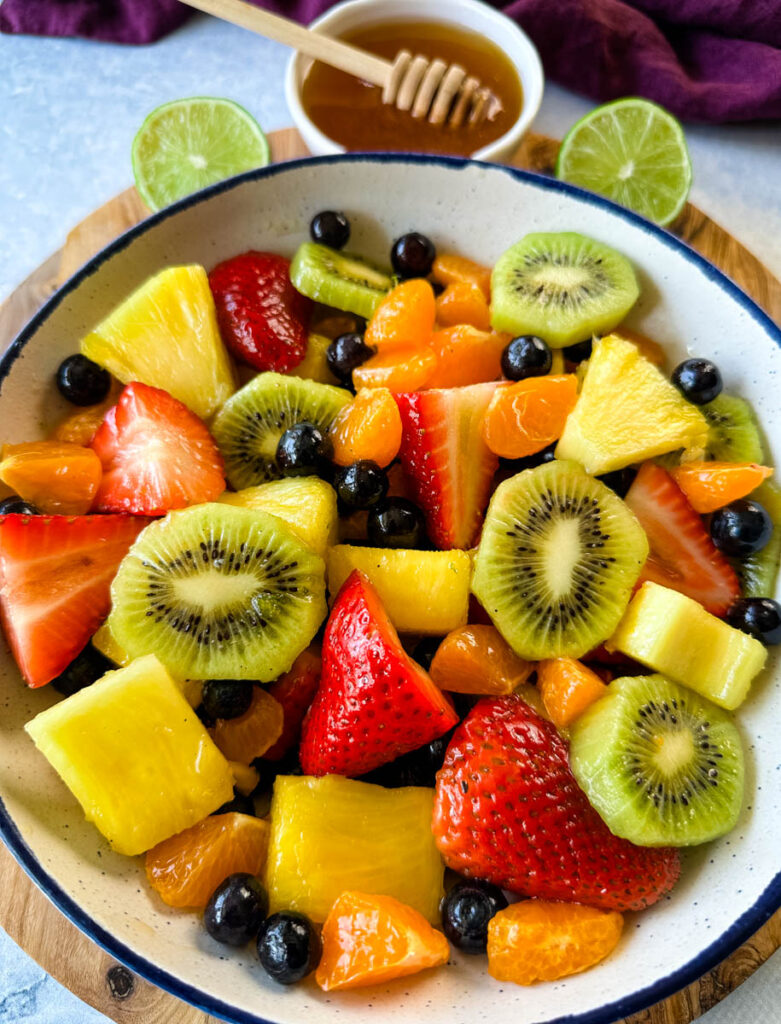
(448,466)
(508,810)
(56,572)
(295,691)
(374,702)
(156,455)
(263,320)
(683,557)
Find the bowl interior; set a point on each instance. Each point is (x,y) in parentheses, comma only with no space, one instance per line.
(726,889)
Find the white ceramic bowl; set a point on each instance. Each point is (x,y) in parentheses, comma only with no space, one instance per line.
(470,14)
(727,889)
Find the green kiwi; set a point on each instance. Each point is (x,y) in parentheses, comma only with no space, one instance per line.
(758,572)
(562,286)
(248,427)
(338,279)
(733,434)
(661,764)
(557,560)
(218,592)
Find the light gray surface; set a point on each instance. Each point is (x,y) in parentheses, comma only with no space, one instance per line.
(69,111)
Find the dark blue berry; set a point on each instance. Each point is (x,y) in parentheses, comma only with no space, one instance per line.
(361,484)
(466,911)
(226,698)
(413,255)
(424,651)
(530,461)
(81,381)
(526,356)
(345,354)
(741,528)
(18,507)
(417,768)
(85,669)
(620,480)
(330,227)
(396,523)
(698,380)
(240,804)
(237,909)
(304,450)
(760,617)
(288,947)
(580,351)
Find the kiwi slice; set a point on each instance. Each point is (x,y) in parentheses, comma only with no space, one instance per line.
(218,592)
(661,765)
(338,279)
(248,427)
(733,434)
(557,560)
(562,286)
(758,572)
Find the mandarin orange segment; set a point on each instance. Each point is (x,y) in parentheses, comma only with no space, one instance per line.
(463,303)
(524,418)
(251,734)
(568,687)
(369,940)
(404,317)
(477,659)
(79,427)
(186,869)
(540,941)
(649,348)
(60,478)
(711,485)
(400,369)
(451,269)
(368,428)
(466,356)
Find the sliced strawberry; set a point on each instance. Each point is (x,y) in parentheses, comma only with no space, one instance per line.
(448,466)
(56,573)
(374,702)
(263,320)
(683,557)
(295,691)
(156,455)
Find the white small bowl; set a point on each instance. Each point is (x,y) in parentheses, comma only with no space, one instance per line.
(469,14)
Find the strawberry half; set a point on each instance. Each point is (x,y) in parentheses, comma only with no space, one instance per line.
(447,464)
(508,810)
(56,573)
(295,691)
(683,557)
(263,320)
(156,455)
(374,702)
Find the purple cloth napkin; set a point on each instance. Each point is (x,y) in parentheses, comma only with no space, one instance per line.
(705,60)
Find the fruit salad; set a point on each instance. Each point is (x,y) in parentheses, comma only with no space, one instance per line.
(395,611)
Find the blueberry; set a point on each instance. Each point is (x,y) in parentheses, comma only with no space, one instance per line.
(620,480)
(466,911)
(81,381)
(698,380)
(289,947)
(741,528)
(17,506)
(361,484)
(396,523)
(226,698)
(330,227)
(345,354)
(417,768)
(237,909)
(526,356)
(530,461)
(413,255)
(424,652)
(85,668)
(760,617)
(304,450)
(239,804)
(577,353)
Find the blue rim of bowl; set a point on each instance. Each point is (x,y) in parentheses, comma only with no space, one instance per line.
(741,930)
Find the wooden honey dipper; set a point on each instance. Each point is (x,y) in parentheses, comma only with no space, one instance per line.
(425,88)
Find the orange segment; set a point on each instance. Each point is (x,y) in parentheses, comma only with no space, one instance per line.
(711,485)
(60,478)
(186,869)
(368,428)
(567,687)
(399,368)
(539,941)
(463,303)
(368,940)
(652,350)
(451,269)
(466,356)
(80,427)
(404,317)
(477,659)
(523,418)
(251,734)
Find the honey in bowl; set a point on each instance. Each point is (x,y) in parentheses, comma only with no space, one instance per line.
(351,111)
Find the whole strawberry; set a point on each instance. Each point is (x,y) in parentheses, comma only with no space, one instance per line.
(508,810)
(263,319)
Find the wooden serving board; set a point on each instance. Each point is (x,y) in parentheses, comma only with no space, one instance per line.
(36,924)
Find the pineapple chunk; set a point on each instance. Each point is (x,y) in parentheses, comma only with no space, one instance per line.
(628,411)
(422,591)
(135,756)
(332,834)
(674,635)
(306,503)
(314,366)
(165,334)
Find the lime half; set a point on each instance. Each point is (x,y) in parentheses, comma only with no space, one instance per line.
(187,144)
(633,152)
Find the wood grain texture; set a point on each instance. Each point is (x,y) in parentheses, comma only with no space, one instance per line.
(27,915)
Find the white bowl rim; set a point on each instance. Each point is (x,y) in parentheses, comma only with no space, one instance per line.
(734,936)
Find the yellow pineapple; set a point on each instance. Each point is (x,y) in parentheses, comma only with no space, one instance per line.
(306,503)
(314,366)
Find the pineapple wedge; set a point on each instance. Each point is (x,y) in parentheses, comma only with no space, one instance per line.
(306,503)
(165,334)
(332,834)
(135,756)
(314,366)
(674,635)
(628,411)
(422,591)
